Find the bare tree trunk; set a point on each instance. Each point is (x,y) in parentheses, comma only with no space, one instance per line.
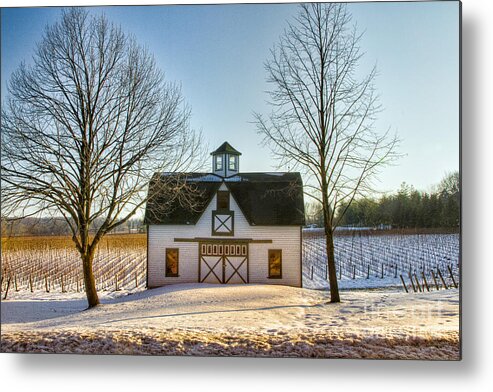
(329,237)
(334,288)
(89,281)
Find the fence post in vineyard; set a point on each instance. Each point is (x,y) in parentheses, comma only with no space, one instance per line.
(404,284)
(46,284)
(326,273)
(424,280)
(452,275)
(354,271)
(368,272)
(116,283)
(311,273)
(340,271)
(15,283)
(412,282)
(381,276)
(417,283)
(62,283)
(31,283)
(136,281)
(8,286)
(435,280)
(441,277)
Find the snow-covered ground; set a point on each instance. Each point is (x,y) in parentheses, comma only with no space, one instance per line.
(247,320)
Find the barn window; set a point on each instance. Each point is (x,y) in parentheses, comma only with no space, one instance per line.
(219,162)
(275,263)
(232,162)
(172,262)
(222,200)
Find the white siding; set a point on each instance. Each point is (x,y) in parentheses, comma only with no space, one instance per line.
(286,238)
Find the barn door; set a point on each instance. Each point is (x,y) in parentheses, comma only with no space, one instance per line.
(223,262)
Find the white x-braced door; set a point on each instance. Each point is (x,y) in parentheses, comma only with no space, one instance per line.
(223,262)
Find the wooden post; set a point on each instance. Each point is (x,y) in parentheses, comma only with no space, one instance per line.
(311,273)
(424,280)
(340,271)
(417,283)
(31,283)
(136,280)
(412,282)
(46,284)
(116,283)
(8,286)
(354,271)
(395,271)
(452,275)
(441,277)
(62,284)
(368,272)
(15,283)
(435,280)
(381,276)
(77,284)
(404,284)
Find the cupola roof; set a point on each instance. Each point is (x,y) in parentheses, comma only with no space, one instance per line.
(226,148)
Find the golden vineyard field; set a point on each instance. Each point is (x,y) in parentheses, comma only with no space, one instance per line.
(61,242)
(51,263)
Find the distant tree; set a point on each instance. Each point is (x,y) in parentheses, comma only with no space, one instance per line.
(313,213)
(323,113)
(450,184)
(449,193)
(84,129)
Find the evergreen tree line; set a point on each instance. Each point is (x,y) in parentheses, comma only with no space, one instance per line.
(409,208)
(406,208)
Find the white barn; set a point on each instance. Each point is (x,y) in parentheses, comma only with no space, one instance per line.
(246,228)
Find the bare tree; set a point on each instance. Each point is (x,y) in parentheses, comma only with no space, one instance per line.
(85,127)
(323,113)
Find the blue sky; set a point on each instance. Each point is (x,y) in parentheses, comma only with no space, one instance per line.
(217,53)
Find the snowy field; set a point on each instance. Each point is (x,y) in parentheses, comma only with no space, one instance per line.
(239,320)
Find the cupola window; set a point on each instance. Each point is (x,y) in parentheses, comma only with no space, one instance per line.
(219,162)
(233,162)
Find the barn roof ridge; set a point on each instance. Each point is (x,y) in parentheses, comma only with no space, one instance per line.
(245,176)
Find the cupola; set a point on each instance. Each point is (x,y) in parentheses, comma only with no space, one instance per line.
(225,160)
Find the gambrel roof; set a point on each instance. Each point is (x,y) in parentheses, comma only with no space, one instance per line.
(266,199)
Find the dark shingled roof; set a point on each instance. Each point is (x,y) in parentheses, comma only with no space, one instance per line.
(266,199)
(226,148)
